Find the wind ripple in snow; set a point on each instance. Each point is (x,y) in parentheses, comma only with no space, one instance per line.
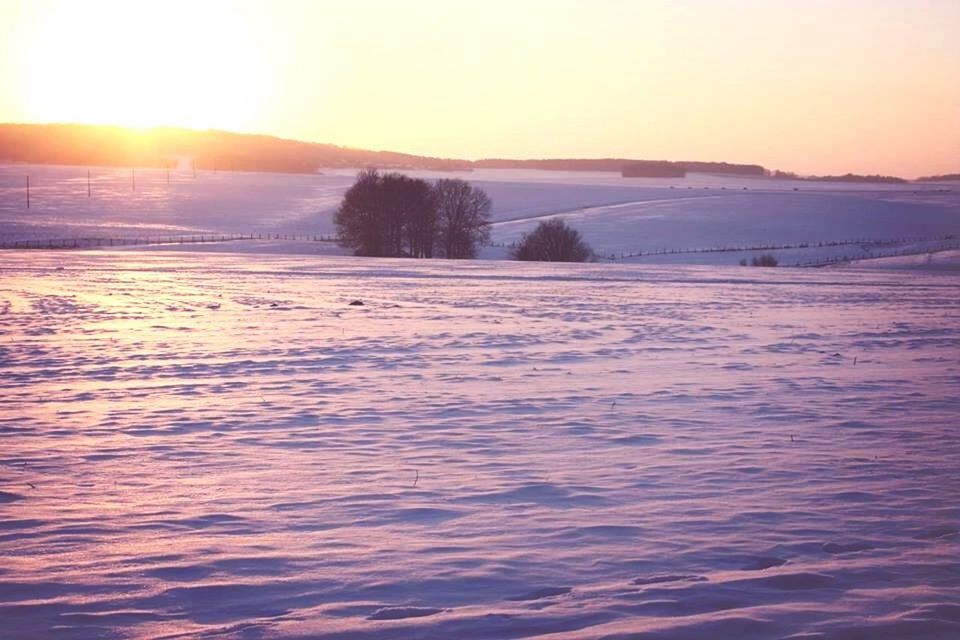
(216,445)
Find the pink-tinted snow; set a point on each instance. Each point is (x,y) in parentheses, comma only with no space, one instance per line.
(215,445)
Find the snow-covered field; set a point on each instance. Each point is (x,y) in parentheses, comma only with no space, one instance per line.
(216,445)
(617,216)
(934,260)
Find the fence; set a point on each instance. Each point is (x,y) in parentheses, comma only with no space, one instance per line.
(914,251)
(861,242)
(772,247)
(99,242)
(946,243)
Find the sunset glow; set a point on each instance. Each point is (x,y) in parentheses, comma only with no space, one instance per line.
(142,64)
(812,87)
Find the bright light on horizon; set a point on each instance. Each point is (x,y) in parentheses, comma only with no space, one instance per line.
(815,87)
(143,65)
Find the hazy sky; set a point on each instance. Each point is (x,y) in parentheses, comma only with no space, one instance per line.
(831,86)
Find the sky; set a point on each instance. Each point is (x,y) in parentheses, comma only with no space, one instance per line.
(868,86)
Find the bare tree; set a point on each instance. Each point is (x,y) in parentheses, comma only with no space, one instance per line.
(359,218)
(463,218)
(387,214)
(553,241)
(419,210)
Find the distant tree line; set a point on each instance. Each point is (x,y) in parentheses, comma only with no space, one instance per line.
(947,177)
(618,165)
(847,177)
(393,215)
(653,169)
(723,167)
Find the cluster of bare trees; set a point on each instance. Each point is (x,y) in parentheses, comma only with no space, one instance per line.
(390,214)
(394,215)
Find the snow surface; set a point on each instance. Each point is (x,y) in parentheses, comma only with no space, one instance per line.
(216,445)
(617,216)
(934,260)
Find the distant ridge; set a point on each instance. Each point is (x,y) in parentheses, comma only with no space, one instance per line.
(210,149)
(98,145)
(947,177)
(847,177)
(656,168)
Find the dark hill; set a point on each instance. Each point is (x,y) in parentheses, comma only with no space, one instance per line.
(211,149)
(163,146)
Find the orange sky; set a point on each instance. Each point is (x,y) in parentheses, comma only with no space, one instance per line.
(812,86)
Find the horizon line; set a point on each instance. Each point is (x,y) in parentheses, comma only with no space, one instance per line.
(473,160)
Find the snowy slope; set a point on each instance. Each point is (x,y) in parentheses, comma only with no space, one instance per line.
(202,445)
(616,215)
(934,261)
(737,219)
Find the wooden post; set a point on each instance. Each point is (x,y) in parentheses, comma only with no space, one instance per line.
(28,192)
(88,183)
(133,179)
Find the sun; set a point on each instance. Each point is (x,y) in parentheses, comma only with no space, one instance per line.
(145,64)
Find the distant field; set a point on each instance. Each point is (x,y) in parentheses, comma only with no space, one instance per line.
(619,217)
